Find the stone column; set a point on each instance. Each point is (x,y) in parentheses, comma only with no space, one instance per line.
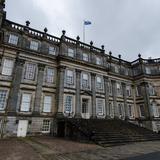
(38,93)
(78,96)
(147,107)
(15,86)
(60,90)
(114,93)
(125,100)
(106,89)
(93,86)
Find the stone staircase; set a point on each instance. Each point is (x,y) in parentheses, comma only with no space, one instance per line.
(110,132)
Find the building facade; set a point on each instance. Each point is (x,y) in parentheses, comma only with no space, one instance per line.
(44,78)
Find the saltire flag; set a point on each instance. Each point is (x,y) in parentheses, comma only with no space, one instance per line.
(87,22)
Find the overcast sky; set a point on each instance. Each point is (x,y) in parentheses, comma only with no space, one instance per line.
(125,27)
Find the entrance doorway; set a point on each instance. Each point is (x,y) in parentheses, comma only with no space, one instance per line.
(22,128)
(85,108)
(61,129)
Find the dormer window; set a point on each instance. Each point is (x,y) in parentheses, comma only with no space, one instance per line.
(52,50)
(13,39)
(34,45)
(98,60)
(70,52)
(85,57)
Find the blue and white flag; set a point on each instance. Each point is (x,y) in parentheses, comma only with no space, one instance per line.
(87,23)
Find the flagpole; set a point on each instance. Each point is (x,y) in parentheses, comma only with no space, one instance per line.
(83,31)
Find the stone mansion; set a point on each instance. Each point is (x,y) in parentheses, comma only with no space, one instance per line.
(44,78)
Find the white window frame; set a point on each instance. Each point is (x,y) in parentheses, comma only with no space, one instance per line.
(100,109)
(49,78)
(3,99)
(69,77)
(119,88)
(120,109)
(148,70)
(68,104)
(47,104)
(7,68)
(34,45)
(99,83)
(98,60)
(46,126)
(130,112)
(85,81)
(30,71)
(139,90)
(85,57)
(141,111)
(151,90)
(155,110)
(116,69)
(25,102)
(13,39)
(85,110)
(71,52)
(128,91)
(52,50)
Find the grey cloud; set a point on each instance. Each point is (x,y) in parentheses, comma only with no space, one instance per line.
(125,27)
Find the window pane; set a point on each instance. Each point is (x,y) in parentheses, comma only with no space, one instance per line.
(142,111)
(13,39)
(25,103)
(84,105)
(85,81)
(68,104)
(70,52)
(3,96)
(7,67)
(34,45)
(120,109)
(98,60)
(49,75)
(69,77)
(85,57)
(100,106)
(47,104)
(46,126)
(30,71)
(52,50)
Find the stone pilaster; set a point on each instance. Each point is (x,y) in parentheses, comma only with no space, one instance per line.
(78,96)
(15,86)
(38,94)
(125,100)
(145,92)
(93,84)
(114,93)
(60,90)
(106,89)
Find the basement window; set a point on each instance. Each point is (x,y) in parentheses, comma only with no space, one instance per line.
(46,126)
